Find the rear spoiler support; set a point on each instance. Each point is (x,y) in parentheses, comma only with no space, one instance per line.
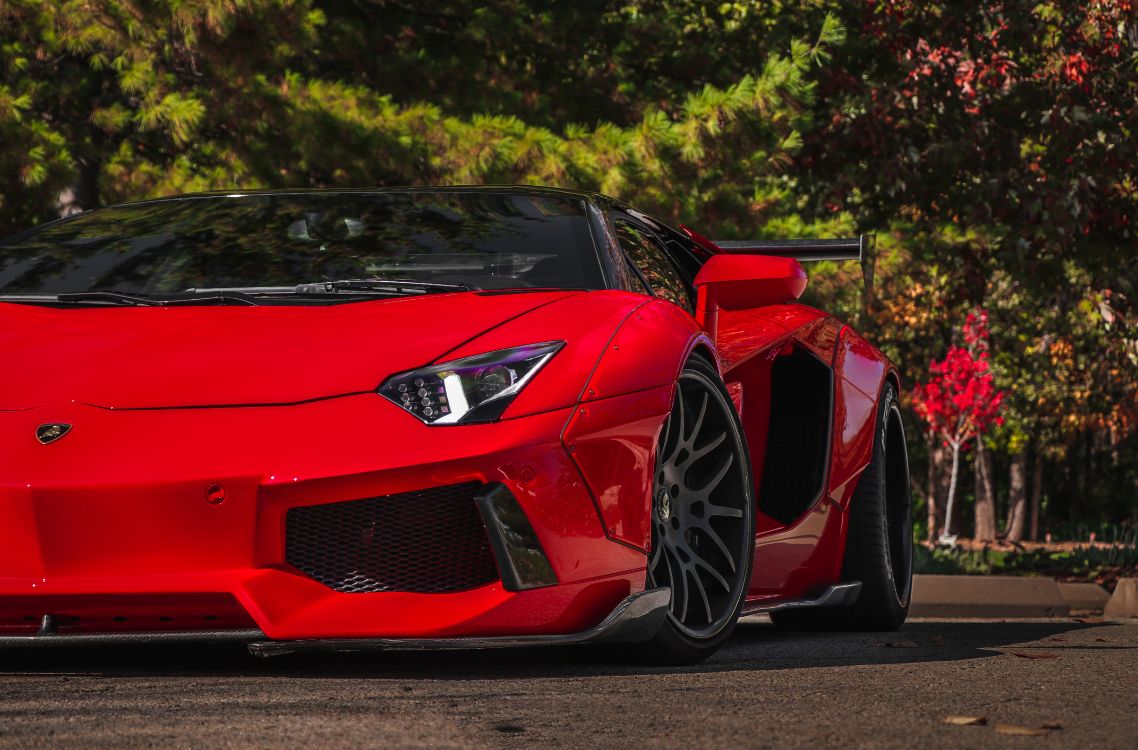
(853,248)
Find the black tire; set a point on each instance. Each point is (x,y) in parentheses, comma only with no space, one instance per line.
(703,531)
(879,544)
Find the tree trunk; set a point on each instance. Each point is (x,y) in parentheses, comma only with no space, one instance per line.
(930,487)
(1036,494)
(1017,497)
(985,500)
(938,480)
(951,492)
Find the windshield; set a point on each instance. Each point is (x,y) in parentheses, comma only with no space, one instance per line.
(469,239)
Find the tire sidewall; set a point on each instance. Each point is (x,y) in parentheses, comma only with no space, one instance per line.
(889,405)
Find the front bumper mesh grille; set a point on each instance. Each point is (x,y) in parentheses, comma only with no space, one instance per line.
(430,541)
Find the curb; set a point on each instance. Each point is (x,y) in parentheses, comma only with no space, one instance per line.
(1085,597)
(988,596)
(1124,603)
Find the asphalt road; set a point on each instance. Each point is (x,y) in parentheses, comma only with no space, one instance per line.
(765,689)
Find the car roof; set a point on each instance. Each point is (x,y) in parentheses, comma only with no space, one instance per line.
(503,189)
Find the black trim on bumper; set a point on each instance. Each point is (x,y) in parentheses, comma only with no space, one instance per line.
(522,562)
(120,639)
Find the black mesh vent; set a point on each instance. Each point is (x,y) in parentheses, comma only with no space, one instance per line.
(429,541)
(798,436)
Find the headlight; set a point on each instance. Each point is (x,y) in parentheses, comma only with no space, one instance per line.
(472,389)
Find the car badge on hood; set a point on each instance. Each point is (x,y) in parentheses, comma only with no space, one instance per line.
(49,433)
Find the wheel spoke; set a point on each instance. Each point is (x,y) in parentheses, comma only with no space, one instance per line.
(699,562)
(721,472)
(710,533)
(675,581)
(698,453)
(703,593)
(658,550)
(724,511)
(698,422)
(686,587)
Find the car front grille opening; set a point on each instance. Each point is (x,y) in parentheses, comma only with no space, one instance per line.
(429,541)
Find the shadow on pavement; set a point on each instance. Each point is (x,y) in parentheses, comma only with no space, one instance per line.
(753,646)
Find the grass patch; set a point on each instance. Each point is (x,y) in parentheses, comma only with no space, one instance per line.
(1102,563)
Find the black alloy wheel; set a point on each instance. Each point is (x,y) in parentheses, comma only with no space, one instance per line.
(703,522)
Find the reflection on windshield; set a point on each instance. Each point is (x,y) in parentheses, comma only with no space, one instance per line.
(483,239)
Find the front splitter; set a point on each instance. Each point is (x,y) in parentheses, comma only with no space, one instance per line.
(637,618)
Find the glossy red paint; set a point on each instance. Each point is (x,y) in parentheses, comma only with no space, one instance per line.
(744,282)
(736,282)
(122,515)
(799,560)
(117,506)
(647,350)
(861,363)
(586,325)
(802,558)
(862,370)
(820,337)
(613,441)
(126,358)
(855,414)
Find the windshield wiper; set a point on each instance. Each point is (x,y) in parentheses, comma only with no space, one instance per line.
(249,295)
(139,300)
(116,298)
(342,286)
(366,285)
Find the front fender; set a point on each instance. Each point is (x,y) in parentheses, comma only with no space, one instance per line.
(586,322)
(613,431)
(648,350)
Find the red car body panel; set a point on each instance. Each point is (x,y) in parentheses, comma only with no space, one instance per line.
(127,358)
(587,325)
(613,443)
(120,506)
(196,430)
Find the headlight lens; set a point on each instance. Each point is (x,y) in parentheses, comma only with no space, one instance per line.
(472,389)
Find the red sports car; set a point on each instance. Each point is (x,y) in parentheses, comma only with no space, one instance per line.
(435,418)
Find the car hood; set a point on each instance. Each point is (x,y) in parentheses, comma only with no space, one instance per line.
(154,357)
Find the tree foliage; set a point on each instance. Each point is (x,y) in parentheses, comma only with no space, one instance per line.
(991,147)
(960,401)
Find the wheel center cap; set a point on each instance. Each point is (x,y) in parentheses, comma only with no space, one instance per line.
(664,504)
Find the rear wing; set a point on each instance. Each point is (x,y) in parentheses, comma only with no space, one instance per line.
(852,248)
(845,249)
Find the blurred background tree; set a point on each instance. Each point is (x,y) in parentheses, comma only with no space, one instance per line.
(991,147)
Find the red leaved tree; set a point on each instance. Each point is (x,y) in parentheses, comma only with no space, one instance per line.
(960,401)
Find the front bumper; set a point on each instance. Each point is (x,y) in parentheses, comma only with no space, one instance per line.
(636,619)
(116,528)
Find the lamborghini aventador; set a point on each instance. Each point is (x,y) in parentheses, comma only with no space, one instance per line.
(435,418)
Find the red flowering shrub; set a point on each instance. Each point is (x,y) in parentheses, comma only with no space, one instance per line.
(960,400)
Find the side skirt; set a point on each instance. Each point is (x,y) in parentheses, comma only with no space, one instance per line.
(840,595)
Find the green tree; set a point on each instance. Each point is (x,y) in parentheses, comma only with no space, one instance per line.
(990,147)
